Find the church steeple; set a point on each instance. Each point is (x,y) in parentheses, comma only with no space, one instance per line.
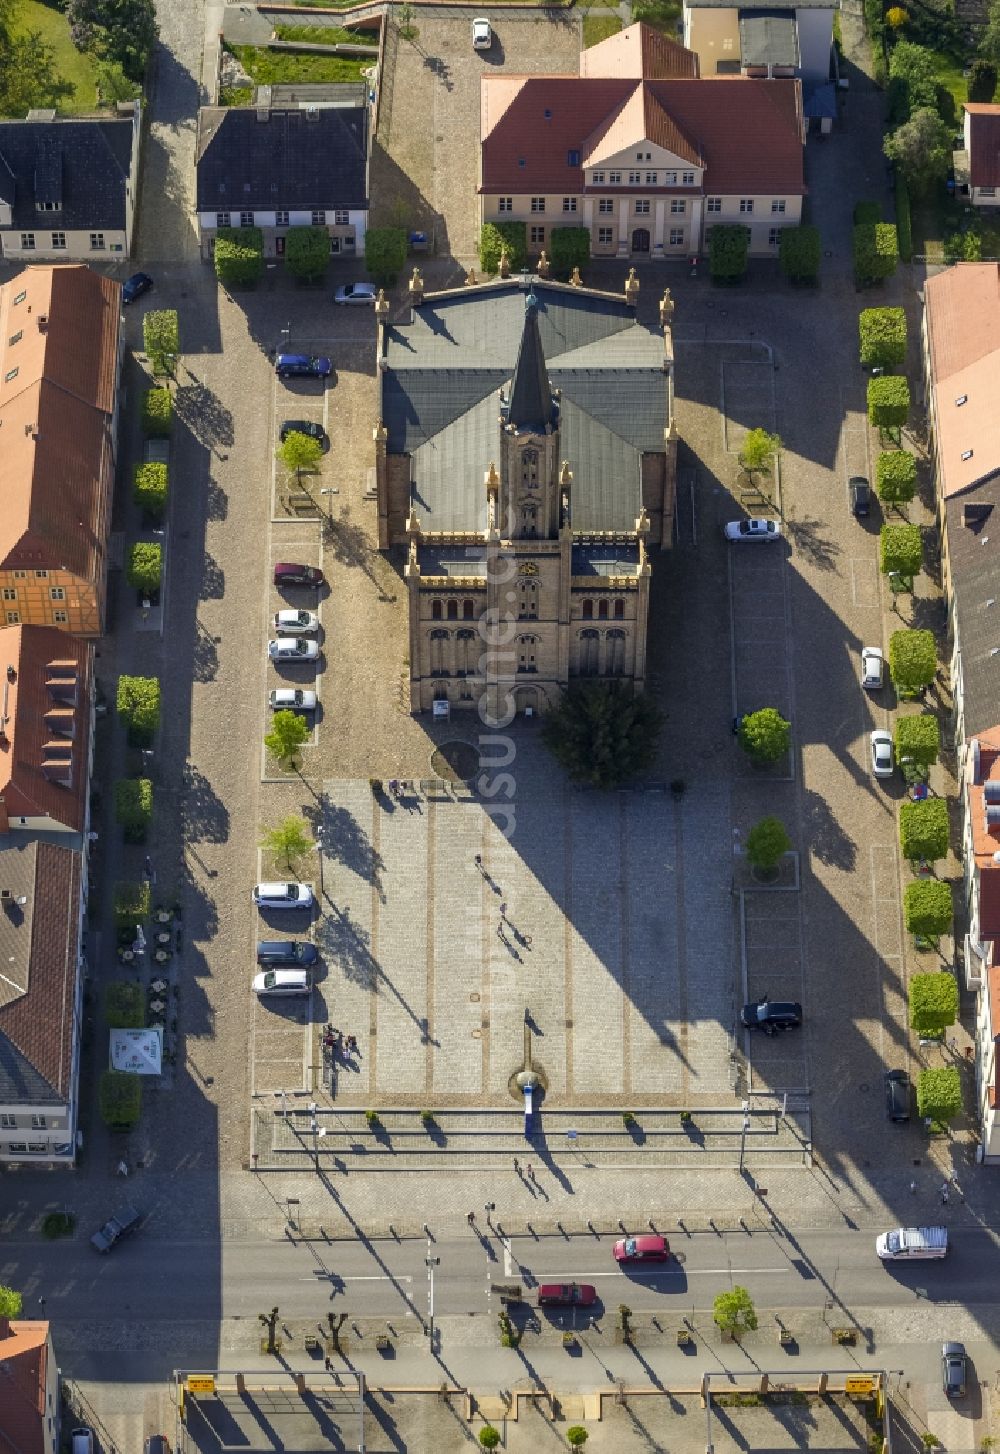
(531,405)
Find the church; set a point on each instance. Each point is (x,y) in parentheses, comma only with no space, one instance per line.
(526,460)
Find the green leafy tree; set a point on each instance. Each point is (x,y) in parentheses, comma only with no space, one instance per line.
(157,412)
(923,830)
(759,449)
(939,1094)
(603,734)
(733,1311)
(921,147)
(982,80)
(912,79)
(299,452)
(489,1437)
(918,738)
(964,244)
(896,476)
(161,339)
(289,838)
(876,252)
(138,705)
(134,807)
(989,40)
(289,731)
(928,910)
(149,488)
(728,250)
(888,402)
(122,31)
(144,566)
(912,660)
(765,736)
(124,1006)
(901,549)
(799,250)
(10,1302)
(385,253)
(933,998)
(239,256)
(576,1436)
(120,1099)
(494,237)
(113,85)
(767,842)
(569,249)
(307,252)
(882,333)
(28,74)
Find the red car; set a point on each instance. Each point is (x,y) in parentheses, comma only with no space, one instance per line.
(648,1248)
(566,1294)
(289,573)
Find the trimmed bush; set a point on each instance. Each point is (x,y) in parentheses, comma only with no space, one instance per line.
(494,236)
(728,247)
(928,910)
(939,1094)
(904,222)
(982,81)
(124,1007)
(489,1437)
(385,253)
(882,334)
(767,843)
(923,830)
(138,705)
(867,214)
(799,253)
(307,252)
(919,738)
(570,248)
(888,401)
(912,659)
(120,1099)
(132,901)
(149,487)
(161,339)
(239,256)
(876,252)
(896,476)
(157,413)
(134,807)
(901,549)
(144,567)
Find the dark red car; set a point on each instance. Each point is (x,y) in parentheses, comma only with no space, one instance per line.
(647,1248)
(287,573)
(566,1294)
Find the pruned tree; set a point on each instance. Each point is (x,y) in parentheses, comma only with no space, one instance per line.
(939,1094)
(928,910)
(767,843)
(882,335)
(888,402)
(733,1311)
(758,450)
(307,252)
(603,734)
(288,839)
(289,730)
(912,660)
(896,476)
(765,736)
(299,452)
(901,550)
(161,339)
(924,830)
(918,739)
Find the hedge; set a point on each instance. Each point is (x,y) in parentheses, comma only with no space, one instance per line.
(896,476)
(933,1002)
(888,401)
(138,705)
(927,907)
(876,252)
(149,487)
(120,1099)
(939,1093)
(145,566)
(157,412)
(918,737)
(923,830)
(239,255)
(912,659)
(385,253)
(901,549)
(494,236)
(307,252)
(904,221)
(882,337)
(728,246)
(134,807)
(132,903)
(799,253)
(570,248)
(124,1007)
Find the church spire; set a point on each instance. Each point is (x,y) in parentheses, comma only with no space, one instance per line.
(531,406)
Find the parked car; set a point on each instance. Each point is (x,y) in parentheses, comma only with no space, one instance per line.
(294,622)
(135,286)
(288,895)
(912,1244)
(156,1444)
(290,573)
(954,1366)
(82,1440)
(771,1015)
(566,1294)
(120,1225)
(282,982)
(647,1248)
(881,749)
(872,667)
(291,699)
(753,530)
(275,952)
(306,427)
(860,492)
(897,1095)
(293,648)
(302,366)
(362,293)
(482,34)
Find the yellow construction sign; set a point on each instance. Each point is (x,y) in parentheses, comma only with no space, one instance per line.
(860,1384)
(200,1383)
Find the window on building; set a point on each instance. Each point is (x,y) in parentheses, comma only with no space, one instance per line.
(605,236)
(452,611)
(687,178)
(651,178)
(602,610)
(41,575)
(38,1123)
(281,219)
(58,241)
(246,219)
(614,663)
(529,519)
(634,178)
(439,640)
(642,206)
(643,156)
(619,610)
(526,653)
(435,610)
(527,604)
(466,662)
(987,191)
(538,204)
(97,242)
(28,241)
(678,205)
(572,158)
(17,1148)
(713,204)
(588,610)
(606,205)
(13,618)
(10,374)
(56,593)
(746,204)
(727,42)
(590,646)
(538,234)
(20,575)
(10,593)
(48,206)
(505,204)
(569,204)
(676,236)
(597,179)
(774,237)
(20,297)
(778,204)
(468,610)
(318,219)
(222,219)
(670,178)
(615,179)
(61,618)
(7,1121)
(341,217)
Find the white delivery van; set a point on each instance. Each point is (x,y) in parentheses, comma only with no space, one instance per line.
(912,1244)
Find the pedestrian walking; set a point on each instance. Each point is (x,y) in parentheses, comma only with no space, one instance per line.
(517,1166)
(503,909)
(327,1364)
(478,860)
(471,1218)
(530,1172)
(954,1182)
(913,1188)
(953,1045)
(501,934)
(944,1193)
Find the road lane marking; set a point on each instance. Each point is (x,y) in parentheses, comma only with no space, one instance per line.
(667,1272)
(359,1277)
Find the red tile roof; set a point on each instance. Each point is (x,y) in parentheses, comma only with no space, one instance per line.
(962,312)
(984,143)
(46,726)
(639,53)
(984,843)
(748,132)
(24,1356)
(639,118)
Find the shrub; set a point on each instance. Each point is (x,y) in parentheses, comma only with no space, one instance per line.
(918,738)
(385,252)
(307,252)
(602,734)
(964,245)
(120,1099)
(489,1437)
(728,246)
(132,902)
(138,704)
(733,1311)
(10,1302)
(759,449)
(888,401)
(927,909)
(58,1224)
(145,566)
(239,256)
(904,222)
(124,1008)
(867,213)
(933,998)
(923,830)
(901,549)
(765,736)
(289,730)
(157,412)
(922,148)
(912,79)
(161,339)
(912,659)
(570,248)
(982,82)
(767,842)
(149,487)
(134,807)
(494,237)
(896,476)
(939,1094)
(799,253)
(882,333)
(876,252)
(576,1436)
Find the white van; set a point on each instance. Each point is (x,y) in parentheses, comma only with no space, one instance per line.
(912,1243)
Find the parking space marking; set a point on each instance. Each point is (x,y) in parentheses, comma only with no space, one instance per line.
(865,584)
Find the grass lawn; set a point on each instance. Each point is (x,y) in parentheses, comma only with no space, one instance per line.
(325,35)
(935,217)
(598,5)
(598,27)
(662,15)
(72,65)
(278,68)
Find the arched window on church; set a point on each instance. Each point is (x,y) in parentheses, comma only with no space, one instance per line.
(602,610)
(452,610)
(468,610)
(465,652)
(439,649)
(619,610)
(614,654)
(589,651)
(435,610)
(588,610)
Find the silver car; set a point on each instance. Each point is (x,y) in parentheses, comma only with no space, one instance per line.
(758,529)
(291,622)
(881,750)
(872,668)
(282,982)
(293,648)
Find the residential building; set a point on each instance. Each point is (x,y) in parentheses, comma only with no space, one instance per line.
(29,1377)
(59,369)
(781,38)
(42,909)
(647,163)
(279,167)
(977,166)
(68,185)
(526,456)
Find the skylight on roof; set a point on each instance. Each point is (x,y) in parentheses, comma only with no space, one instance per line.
(962,399)
(966,453)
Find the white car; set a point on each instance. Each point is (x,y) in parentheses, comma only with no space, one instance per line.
(293,648)
(296,623)
(881,745)
(363,293)
(291,699)
(482,35)
(872,667)
(753,530)
(282,982)
(283,896)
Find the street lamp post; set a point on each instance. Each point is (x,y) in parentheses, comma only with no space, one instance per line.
(329,490)
(317,1131)
(431,1262)
(743,1135)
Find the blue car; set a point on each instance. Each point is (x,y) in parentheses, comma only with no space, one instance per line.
(302,365)
(135,286)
